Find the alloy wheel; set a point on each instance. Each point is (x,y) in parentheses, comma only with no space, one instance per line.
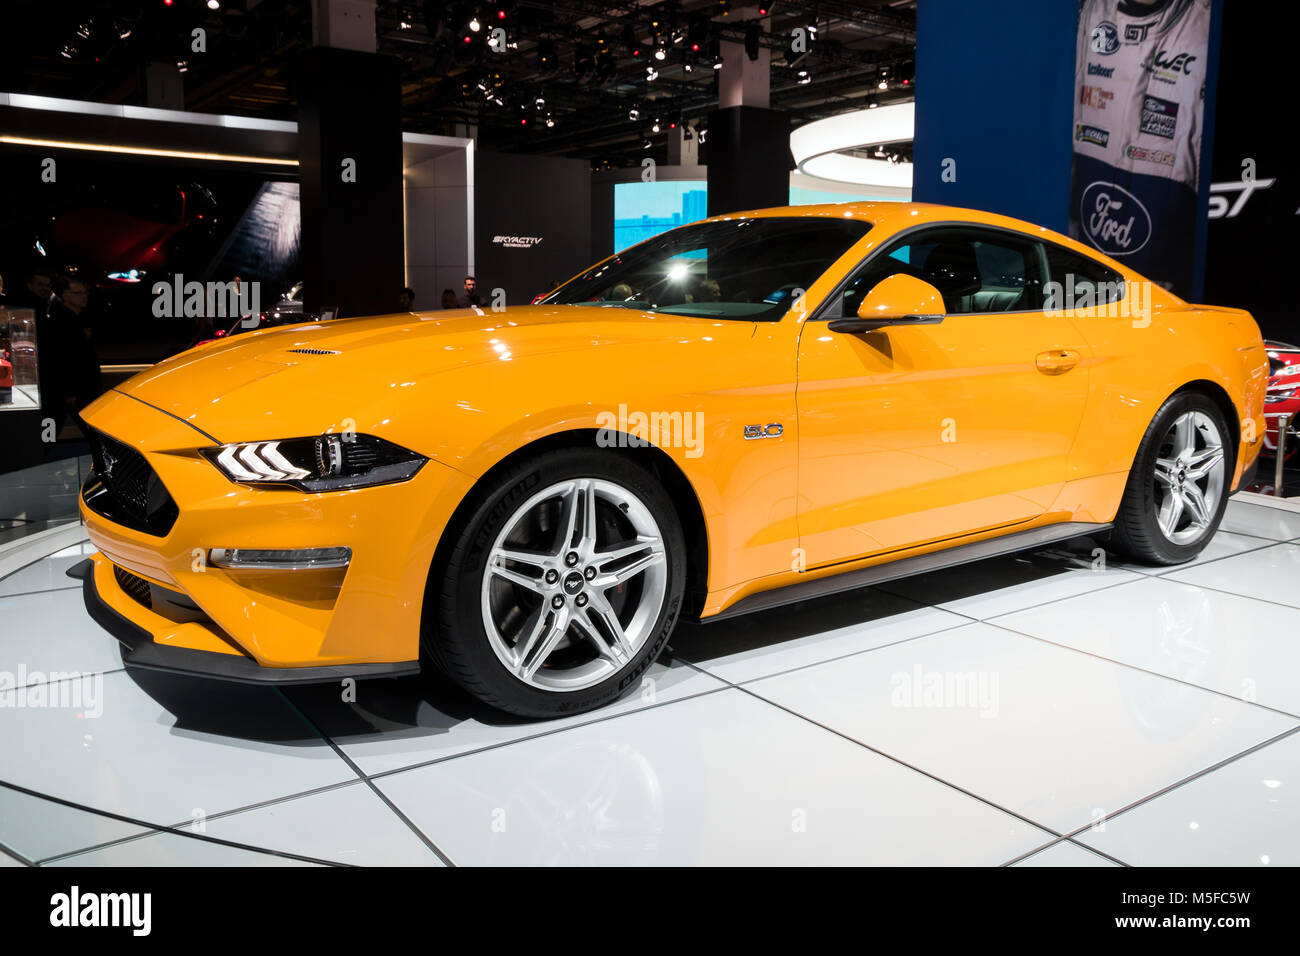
(574,584)
(1189,478)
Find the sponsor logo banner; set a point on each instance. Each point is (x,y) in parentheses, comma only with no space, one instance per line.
(1105,38)
(1159,117)
(1095,97)
(516,242)
(1114,220)
(1143,155)
(1095,135)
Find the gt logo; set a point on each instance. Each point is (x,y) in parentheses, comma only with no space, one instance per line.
(774,430)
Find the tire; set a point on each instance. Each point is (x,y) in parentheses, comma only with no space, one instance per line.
(1176,493)
(532,627)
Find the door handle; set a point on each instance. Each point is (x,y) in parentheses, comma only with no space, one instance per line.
(1056,361)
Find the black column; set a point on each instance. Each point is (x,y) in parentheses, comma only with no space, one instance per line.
(350,107)
(749,159)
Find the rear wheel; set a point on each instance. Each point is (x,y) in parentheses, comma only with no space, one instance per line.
(563,586)
(1178,488)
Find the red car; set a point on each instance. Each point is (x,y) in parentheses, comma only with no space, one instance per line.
(1283,395)
(131,232)
(6,379)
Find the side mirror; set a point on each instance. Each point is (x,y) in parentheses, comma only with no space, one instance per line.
(898,300)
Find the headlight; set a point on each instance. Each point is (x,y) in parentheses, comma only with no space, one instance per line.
(324,463)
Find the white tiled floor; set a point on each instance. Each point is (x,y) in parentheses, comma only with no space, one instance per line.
(1061,708)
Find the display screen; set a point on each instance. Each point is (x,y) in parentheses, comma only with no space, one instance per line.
(642,210)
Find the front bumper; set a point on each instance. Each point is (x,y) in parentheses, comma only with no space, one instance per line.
(249,624)
(140,650)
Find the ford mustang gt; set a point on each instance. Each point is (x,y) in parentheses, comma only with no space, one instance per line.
(744,412)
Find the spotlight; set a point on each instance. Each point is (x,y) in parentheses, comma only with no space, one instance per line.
(181,66)
(655,127)
(661,54)
(545,55)
(883,84)
(549,122)
(634,114)
(804,77)
(873,101)
(475,25)
(651,74)
(214,4)
(540,101)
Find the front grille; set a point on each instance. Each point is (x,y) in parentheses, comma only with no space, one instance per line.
(124,488)
(135,587)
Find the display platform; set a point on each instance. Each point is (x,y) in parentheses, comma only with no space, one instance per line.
(1055,708)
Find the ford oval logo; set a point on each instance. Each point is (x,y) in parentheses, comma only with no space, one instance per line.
(1113,219)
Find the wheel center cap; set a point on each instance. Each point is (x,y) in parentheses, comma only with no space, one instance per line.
(573,582)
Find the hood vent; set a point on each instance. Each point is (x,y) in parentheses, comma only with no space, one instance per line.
(316,351)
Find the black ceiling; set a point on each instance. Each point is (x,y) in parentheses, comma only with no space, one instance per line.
(584,60)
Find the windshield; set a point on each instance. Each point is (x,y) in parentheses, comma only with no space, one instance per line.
(736,269)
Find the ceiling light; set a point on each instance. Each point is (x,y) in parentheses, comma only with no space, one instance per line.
(475,25)
(214,4)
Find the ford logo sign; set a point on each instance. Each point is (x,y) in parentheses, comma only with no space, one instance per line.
(1113,219)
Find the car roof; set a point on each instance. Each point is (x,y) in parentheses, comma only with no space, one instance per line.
(901,215)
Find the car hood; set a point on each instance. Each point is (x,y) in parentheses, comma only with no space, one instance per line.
(265,382)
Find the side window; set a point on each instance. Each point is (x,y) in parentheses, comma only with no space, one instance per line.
(1078,281)
(976,270)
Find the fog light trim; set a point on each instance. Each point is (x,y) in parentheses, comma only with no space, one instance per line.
(280,559)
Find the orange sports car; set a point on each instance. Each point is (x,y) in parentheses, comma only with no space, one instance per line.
(743,412)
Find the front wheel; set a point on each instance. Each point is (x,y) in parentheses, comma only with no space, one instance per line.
(563,586)
(1179,485)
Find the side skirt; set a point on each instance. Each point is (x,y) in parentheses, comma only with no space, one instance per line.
(906,567)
